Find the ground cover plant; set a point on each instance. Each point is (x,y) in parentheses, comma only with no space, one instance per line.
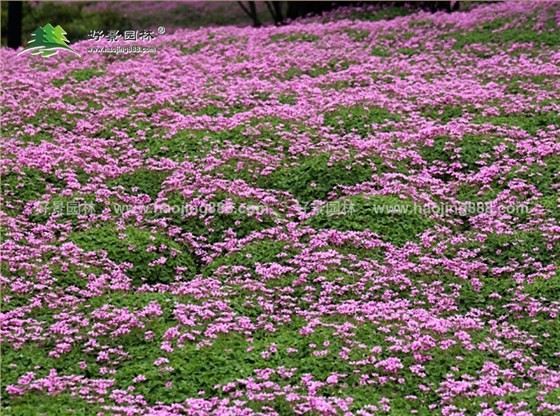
(347,215)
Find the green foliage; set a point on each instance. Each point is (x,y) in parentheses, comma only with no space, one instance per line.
(358,119)
(107,238)
(52,119)
(444,362)
(544,177)
(37,404)
(551,203)
(211,223)
(438,151)
(543,327)
(28,186)
(265,133)
(319,170)
(186,144)
(445,113)
(297,72)
(381,52)
(79,75)
(222,109)
(474,147)
(386,13)
(473,151)
(408,51)
(189,144)
(228,358)
(145,181)
(492,33)
(287,99)
(230,171)
(522,84)
(471,193)
(191,50)
(537,325)
(531,123)
(505,37)
(500,250)
(263,251)
(358,35)
(32,185)
(316,70)
(394,219)
(36,355)
(294,37)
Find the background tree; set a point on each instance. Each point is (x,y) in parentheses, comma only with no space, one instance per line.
(297,9)
(435,6)
(251,10)
(15,18)
(305,8)
(275,9)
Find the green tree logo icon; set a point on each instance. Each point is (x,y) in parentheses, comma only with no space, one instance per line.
(47,41)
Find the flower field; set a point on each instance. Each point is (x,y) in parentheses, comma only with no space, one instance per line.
(342,216)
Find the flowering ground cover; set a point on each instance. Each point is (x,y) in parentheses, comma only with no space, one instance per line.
(340,216)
